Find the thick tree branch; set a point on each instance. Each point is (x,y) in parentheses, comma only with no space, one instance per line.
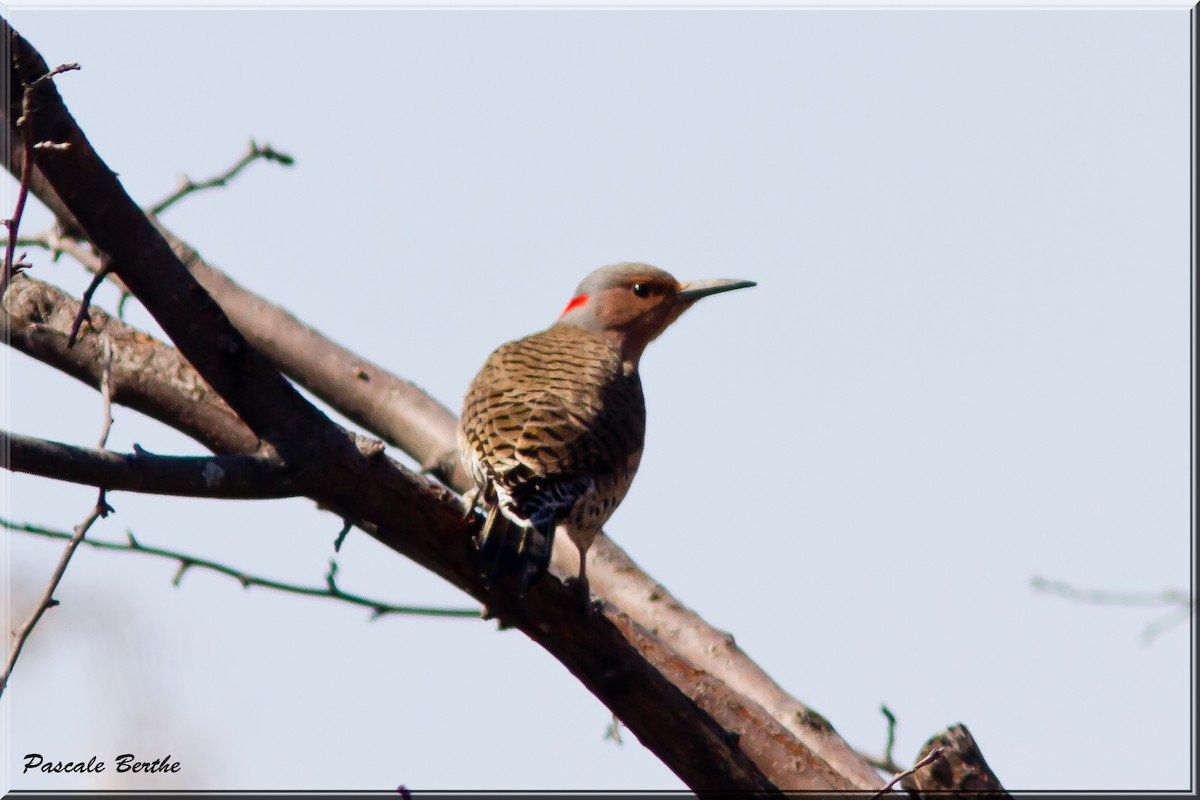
(250,477)
(148,376)
(329,590)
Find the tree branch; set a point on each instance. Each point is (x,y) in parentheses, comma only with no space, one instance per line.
(926,760)
(147,376)
(47,601)
(248,477)
(1181,601)
(188,186)
(13,224)
(1107,597)
(329,590)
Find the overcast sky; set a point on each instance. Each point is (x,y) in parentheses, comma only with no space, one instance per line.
(966,364)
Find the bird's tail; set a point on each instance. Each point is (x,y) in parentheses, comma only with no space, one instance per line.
(505,547)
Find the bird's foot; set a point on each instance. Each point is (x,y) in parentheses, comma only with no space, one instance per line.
(470,498)
(581,588)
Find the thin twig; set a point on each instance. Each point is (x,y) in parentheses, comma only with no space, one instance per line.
(13,224)
(106,387)
(887,763)
(188,186)
(186,562)
(613,731)
(1183,602)
(86,301)
(1105,597)
(1153,629)
(342,534)
(57,244)
(27,146)
(891,735)
(930,757)
(47,600)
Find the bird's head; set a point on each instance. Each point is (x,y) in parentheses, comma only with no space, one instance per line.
(631,304)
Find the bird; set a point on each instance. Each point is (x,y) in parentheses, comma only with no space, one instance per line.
(553,424)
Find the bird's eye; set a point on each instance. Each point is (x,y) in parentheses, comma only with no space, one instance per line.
(641,289)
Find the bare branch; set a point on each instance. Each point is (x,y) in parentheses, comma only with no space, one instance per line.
(887,762)
(891,736)
(106,387)
(613,731)
(1110,598)
(1181,601)
(86,303)
(23,124)
(378,608)
(930,757)
(47,601)
(248,477)
(188,186)
(58,244)
(147,375)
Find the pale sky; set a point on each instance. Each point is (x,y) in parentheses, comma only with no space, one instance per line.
(966,363)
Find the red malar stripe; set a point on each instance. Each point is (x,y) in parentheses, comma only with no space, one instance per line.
(575,303)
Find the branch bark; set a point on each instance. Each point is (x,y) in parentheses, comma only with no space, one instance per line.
(148,375)
(251,477)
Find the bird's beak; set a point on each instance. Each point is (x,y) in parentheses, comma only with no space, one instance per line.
(692,291)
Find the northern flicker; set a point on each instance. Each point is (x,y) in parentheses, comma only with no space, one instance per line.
(553,425)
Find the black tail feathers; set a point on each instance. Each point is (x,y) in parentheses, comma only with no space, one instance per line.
(505,548)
